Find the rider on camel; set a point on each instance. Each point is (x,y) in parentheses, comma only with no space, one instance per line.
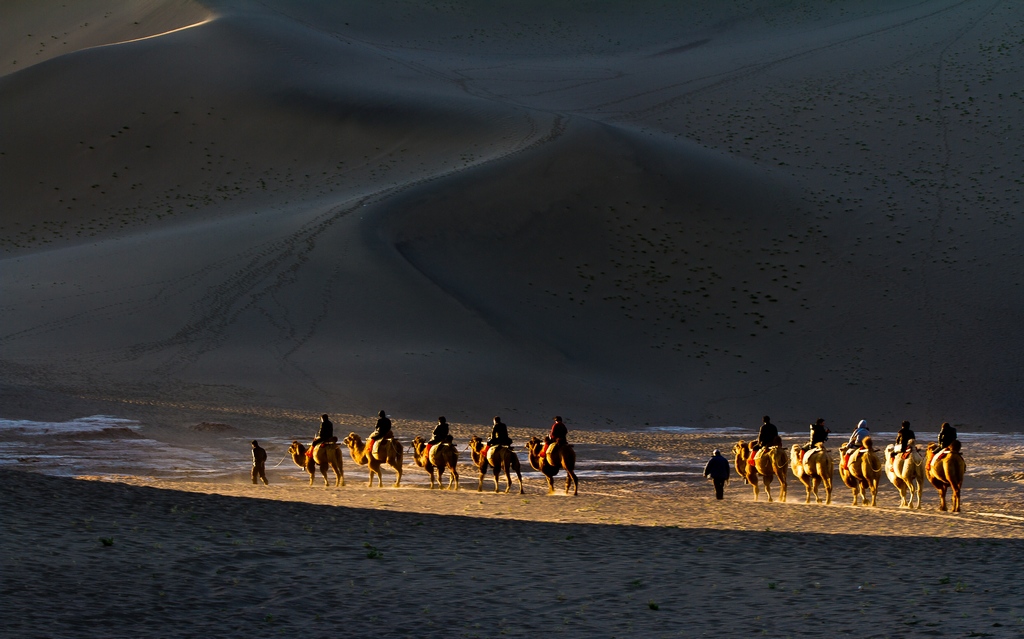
(856,440)
(768,435)
(559,435)
(499,436)
(440,434)
(325,434)
(382,429)
(903,438)
(819,434)
(947,435)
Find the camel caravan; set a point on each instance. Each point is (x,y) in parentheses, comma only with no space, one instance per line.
(438,455)
(762,461)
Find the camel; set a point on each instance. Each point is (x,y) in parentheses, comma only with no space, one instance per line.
(812,470)
(441,456)
(389,450)
(324,455)
(769,463)
(558,457)
(862,473)
(502,458)
(946,472)
(906,474)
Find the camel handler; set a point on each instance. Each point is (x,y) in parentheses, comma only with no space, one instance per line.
(947,435)
(559,435)
(903,438)
(856,440)
(259,464)
(326,433)
(382,430)
(718,470)
(440,434)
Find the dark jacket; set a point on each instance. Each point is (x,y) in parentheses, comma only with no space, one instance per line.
(717,468)
(382,428)
(499,435)
(819,434)
(259,456)
(441,432)
(947,436)
(903,436)
(559,432)
(326,432)
(767,435)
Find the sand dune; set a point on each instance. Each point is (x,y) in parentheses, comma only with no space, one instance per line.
(690,214)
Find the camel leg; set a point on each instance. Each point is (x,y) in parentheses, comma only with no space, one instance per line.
(768,487)
(551,484)
(942,498)
(508,479)
(956,497)
(519,475)
(323,471)
(874,492)
(828,489)
(752,480)
(783,487)
(812,488)
(480,482)
(496,472)
(575,482)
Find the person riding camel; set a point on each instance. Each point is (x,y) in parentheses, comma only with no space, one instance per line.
(947,435)
(559,435)
(326,433)
(440,434)
(382,430)
(856,440)
(903,438)
(767,436)
(819,434)
(499,436)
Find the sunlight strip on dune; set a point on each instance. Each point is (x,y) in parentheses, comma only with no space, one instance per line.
(211,18)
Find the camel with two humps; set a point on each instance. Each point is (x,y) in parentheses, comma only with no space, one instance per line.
(769,463)
(324,455)
(558,457)
(813,469)
(907,473)
(504,459)
(862,473)
(440,457)
(946,473)
(389,451)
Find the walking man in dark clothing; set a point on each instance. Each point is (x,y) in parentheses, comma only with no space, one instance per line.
(259,464)
(768,436)
(718,470)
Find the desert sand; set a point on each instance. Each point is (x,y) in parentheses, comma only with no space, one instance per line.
(221,218)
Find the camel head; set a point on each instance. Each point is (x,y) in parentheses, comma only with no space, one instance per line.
(476,444)
(296,449)
(740,448)
(353,441)
(418,443)
(534,445)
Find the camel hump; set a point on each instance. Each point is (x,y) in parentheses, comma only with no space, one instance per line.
(492,454)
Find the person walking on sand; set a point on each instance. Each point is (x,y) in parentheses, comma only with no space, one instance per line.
(324,434)
(717,469)
(259,464)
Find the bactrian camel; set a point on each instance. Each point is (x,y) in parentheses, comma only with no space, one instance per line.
(500,458)
(388,451)
(440,457)
(863,472)
(946,472)
(558,457)
(769,463)
(324,455)
(906,472)
(813,469)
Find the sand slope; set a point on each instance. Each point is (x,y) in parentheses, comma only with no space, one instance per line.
(661,214)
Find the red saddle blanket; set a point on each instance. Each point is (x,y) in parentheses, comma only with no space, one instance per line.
(753,455)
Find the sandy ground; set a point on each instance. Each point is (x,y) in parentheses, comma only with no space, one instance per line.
(648,214)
